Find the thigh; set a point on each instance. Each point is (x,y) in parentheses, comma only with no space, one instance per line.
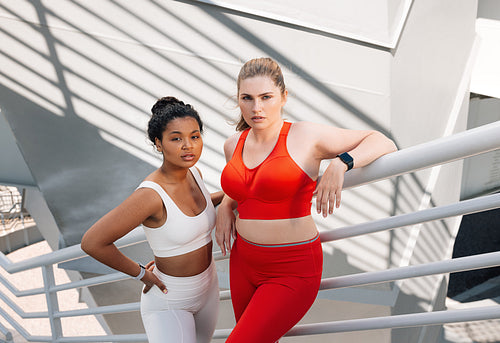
(274,309)
(241,287)
(169,326)
(206,318)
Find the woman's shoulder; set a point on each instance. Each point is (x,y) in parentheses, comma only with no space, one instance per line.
(305,129)
(230,144)
(308,126)
(234,137)
(150,186)
(152,177)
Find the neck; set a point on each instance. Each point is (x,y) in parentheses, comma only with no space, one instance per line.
(173,174)
(268,133)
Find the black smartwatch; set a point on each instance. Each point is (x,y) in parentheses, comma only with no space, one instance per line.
(347,159)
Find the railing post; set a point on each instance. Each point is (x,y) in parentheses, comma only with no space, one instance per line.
(6,332)
(52,303)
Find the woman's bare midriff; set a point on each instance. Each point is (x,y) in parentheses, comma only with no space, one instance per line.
(277,231)
(189,264)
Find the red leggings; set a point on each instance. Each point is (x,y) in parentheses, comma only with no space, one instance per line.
(272,287)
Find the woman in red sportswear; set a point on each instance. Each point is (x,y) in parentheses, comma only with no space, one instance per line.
(270,178)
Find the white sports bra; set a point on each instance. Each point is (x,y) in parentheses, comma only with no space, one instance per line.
(180,233)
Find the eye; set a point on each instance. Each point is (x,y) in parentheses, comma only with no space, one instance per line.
(246,97)
(195,137)
(266,97)
(175,139)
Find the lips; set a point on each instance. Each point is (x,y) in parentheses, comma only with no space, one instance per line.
(258,118)
(188,157)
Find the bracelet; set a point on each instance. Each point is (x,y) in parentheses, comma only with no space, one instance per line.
(141,273)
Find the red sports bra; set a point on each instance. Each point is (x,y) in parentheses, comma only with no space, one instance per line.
(276,189)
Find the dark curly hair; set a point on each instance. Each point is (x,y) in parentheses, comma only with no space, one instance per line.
(164,111)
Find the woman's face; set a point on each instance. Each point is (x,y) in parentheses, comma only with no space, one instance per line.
(260,101)
(181,144)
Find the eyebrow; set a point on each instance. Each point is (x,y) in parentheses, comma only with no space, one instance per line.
(179,133)
(265,93)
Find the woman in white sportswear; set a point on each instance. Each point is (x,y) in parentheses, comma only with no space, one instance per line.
(180,299)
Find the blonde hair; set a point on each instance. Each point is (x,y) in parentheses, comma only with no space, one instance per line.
(263,66)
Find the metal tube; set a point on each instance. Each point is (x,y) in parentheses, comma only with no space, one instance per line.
(399,321)
(439,151)
(99,310)
(463,207)
(432,268)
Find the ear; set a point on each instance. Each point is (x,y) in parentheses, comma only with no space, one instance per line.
(158,144)
(284,97)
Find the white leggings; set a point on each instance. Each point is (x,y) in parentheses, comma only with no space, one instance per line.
(187,313)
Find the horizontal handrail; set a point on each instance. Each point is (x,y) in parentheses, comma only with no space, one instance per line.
(399,321)
(103,279)
(19,311)
(19,293)
(484,203)
(22,331)
(439,151)
(395,321)
(128,307)
(138,337)
(459,264)
(63,255)
(387,322)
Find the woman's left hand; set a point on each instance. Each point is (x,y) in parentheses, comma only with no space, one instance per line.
(150,279)
(329,188)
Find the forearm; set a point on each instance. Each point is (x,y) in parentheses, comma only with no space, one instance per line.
(217,197)
(228,203)
(111,256)
(370,148)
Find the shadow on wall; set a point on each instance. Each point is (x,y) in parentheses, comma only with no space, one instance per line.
(284,61)
(81,175)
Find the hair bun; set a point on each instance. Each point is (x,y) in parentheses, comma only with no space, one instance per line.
(171,100)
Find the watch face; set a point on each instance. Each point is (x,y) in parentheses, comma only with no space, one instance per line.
(347,159)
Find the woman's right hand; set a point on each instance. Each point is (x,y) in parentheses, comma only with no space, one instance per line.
(150,279)
(225,225)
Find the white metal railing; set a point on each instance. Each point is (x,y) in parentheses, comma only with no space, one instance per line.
(469,143)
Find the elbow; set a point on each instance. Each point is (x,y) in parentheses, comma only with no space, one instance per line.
(387,143)
(392,147)
(87,244)
(84,245)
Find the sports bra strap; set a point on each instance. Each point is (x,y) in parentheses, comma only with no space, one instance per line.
(161,192)
(285,128)
(199,181)
(166,198)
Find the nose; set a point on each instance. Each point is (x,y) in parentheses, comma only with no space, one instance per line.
(257,106)
(188,144)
